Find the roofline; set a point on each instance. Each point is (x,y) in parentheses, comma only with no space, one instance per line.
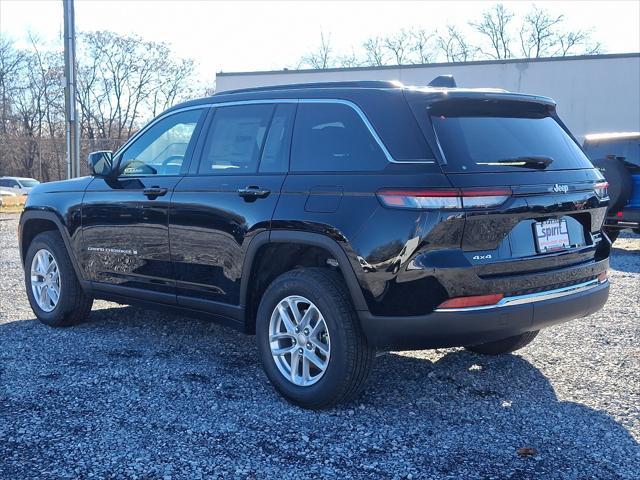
(435,65)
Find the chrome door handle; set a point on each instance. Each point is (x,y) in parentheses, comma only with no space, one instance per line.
(253,192)
(154,192)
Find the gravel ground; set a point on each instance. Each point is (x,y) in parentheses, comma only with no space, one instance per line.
(142,394)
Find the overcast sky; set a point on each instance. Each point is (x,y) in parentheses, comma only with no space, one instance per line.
(242,35)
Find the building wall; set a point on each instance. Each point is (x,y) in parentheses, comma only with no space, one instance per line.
(595,94)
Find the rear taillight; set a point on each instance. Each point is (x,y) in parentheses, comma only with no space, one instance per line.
(602,189)
(445,198)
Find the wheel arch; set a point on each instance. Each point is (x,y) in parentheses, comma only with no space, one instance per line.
(316,241)
(34,222)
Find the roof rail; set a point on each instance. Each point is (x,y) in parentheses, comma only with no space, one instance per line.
(298,86)
(446,81)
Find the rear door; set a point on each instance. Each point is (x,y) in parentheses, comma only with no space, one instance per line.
(553,207)
(125,218)
(228,197)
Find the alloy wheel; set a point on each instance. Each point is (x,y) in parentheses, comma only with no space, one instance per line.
(45,280)
(299,340)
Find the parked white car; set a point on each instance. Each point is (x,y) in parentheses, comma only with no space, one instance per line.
(18,185)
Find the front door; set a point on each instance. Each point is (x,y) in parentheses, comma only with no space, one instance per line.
(228,198)
(125,218)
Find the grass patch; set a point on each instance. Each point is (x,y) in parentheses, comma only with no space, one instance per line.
(12,204)
(11,208)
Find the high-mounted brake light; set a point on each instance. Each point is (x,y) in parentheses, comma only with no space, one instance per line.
(445,198)
(472,301)
(602,189)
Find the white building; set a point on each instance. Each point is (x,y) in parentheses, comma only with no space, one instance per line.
(595,93)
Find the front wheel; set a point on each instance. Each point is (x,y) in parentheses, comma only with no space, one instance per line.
(506,345)
(52,287)
(310,341)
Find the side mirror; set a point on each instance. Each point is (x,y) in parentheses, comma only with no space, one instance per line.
(100,163)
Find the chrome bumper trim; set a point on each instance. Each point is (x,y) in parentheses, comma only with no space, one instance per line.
(531,297)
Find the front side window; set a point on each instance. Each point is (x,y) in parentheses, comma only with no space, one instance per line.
(236,139)
(331,137)
(161,149)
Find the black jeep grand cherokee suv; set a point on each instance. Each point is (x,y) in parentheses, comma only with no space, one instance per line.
(333,220)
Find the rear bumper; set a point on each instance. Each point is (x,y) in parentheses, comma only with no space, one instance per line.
(630,219)
(484,324)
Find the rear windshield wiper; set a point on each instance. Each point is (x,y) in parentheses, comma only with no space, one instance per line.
(539,163)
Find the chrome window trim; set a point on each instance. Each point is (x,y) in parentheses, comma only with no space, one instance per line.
(338,101)
(531,297)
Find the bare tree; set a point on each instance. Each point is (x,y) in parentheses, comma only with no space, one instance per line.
(374,52)
(494,25)
(567,41)
(321,57)
(123,79)
(453,45)
(349,61)
(11,63)
(537,36)
(399,45)
(421,46)
(50,74)
(541,35)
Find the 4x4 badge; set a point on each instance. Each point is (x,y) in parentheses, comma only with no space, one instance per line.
(560,188)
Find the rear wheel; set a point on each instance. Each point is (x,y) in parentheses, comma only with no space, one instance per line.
(309,339)
(52,287)
(506,345)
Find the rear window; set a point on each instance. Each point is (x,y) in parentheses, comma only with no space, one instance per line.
(505,139)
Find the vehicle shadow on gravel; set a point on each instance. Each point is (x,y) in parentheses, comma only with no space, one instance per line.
(186,391)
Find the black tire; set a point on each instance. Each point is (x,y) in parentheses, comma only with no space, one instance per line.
(620,181)
(612,233)
(73,305)
(351,358)
(506,345)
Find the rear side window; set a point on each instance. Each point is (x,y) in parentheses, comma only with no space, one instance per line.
(275,154)
(235,140)
(503,140)
(331,137)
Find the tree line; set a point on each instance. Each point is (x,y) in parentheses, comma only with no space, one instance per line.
(498,34)
(122,81)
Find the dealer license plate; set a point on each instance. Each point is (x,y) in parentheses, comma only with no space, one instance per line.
(551,235)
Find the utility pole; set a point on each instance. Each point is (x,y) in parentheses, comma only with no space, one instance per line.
(73,139)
